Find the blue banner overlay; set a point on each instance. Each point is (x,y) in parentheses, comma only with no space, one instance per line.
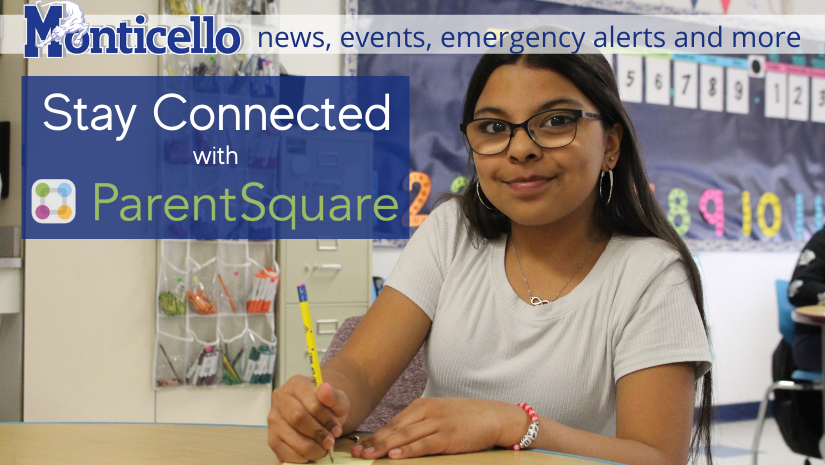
(216,157)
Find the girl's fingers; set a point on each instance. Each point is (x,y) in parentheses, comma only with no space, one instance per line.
(304,446)
(401,437)
(430,445)
(305,423)
(284,441)
(414,413)
(300,427)
(323,416)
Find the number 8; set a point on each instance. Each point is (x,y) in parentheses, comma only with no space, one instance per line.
(677,201)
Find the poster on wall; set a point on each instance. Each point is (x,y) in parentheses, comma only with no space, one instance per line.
(734,145)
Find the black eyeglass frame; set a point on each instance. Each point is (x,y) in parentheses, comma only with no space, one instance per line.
(578,114)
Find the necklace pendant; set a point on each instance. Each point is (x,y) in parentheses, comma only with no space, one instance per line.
(535,301)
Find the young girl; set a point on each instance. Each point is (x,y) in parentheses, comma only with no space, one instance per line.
(555,280)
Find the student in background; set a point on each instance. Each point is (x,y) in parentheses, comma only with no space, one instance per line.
(807,287)
(554,280)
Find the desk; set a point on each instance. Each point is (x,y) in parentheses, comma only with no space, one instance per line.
(814,315)
(124,443)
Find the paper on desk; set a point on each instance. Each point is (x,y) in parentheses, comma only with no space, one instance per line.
(341,458)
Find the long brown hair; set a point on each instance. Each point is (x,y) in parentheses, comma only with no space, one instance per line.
(632,211)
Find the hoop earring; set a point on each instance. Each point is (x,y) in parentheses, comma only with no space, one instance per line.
(478,192)
(610,193)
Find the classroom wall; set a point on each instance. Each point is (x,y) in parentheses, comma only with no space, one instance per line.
(743,316)
(89,304)
(11,325)
(11,68)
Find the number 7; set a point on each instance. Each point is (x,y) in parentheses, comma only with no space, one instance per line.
(686,77)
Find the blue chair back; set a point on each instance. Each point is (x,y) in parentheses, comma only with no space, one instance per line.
(786,325)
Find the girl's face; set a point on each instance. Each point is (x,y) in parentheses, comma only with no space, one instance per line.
(532,185)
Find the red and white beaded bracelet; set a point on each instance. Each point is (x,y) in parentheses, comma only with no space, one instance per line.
(532,431)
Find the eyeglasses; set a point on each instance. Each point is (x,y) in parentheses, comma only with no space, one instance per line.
(549,129)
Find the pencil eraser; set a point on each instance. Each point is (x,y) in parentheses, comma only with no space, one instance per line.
(299,285)
(302,293)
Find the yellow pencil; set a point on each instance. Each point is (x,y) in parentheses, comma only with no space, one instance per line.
(314,363)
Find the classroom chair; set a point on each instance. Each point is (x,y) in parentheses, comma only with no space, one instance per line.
(800,380)
(408,387)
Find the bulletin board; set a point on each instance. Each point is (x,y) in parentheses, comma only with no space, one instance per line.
(734,150)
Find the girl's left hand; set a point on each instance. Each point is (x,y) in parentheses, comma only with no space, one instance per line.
(430,426)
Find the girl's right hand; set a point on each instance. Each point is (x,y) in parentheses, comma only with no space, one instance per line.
(304,420)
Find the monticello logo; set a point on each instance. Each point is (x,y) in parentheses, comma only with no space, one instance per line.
(61,25)
(51,29)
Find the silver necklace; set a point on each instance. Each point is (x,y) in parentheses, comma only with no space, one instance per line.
(536,301)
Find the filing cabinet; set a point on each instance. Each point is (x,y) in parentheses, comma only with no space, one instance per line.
(337,274)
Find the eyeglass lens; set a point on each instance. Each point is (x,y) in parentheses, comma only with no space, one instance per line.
(550,129)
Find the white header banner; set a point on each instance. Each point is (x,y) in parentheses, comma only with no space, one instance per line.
(42,31)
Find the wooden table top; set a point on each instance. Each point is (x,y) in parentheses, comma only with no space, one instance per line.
(140,443)
(810,315)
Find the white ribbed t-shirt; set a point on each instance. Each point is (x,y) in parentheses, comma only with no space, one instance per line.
(633,310)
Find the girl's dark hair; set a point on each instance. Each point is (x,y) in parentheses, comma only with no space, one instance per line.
(632,211)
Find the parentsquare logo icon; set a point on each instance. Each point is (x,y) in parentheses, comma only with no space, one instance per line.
(53,201)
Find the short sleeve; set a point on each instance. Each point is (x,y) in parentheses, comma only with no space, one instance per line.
(663,327)
(419,272)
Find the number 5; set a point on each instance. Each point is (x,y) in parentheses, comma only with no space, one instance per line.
(630,78)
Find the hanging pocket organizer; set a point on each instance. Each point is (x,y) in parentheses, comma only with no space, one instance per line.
(263,288)
(205,334)
(171,353)
(171,289)
(260,359)
(232,358)
(203,362)
(232,283)
(201,291)
(203,282)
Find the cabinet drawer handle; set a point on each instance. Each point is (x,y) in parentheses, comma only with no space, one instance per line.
(325,267)
(327,247)
(320,352)
(318,324)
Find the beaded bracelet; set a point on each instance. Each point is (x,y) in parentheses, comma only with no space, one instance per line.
(532,431)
